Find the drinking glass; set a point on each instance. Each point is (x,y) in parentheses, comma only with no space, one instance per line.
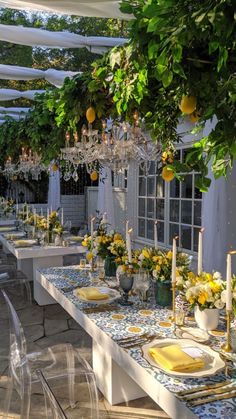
(126,284)
(142,284)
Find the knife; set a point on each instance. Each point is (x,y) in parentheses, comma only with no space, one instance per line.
(208,392)
(203,388)
(213,399)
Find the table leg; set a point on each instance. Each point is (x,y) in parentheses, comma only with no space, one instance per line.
(40,294)
(26,266)
(111,379)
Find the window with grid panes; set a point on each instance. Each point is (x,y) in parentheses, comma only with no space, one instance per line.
(176,206)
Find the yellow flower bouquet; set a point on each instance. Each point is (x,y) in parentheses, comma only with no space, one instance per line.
(205,290)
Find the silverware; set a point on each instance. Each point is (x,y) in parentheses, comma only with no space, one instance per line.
(131,338)
(213,399)
(210,392)
(203,388)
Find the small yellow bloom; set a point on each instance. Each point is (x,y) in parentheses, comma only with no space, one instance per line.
(158,268)
(169,255)
(202,298)
(215,287)
(209,277)
(89,256)
(84,243)
(146,253)
(117,236)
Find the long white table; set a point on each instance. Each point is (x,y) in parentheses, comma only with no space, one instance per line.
(29,259)
(121,374)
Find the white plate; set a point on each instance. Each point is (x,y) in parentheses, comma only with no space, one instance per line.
(24,243)
(193,333)
(6,229)
(213,361)
(75,239)
(13,236)
(113,295)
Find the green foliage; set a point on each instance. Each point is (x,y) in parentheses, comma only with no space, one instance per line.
(176,48)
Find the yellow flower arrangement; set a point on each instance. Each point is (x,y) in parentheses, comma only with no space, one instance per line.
(205,290)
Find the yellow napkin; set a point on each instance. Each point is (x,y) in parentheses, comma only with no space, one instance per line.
(174,359)
(92,293)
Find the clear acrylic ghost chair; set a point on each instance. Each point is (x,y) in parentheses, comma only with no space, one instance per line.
(10,277)
(61,364)
(53,406)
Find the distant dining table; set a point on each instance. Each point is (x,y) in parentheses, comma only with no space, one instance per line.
(31,256)
(119,337)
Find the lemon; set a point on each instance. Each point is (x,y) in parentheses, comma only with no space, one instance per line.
(94,176)
(188,104)
(90,115)
(194,117)
(167,174)
(54,167)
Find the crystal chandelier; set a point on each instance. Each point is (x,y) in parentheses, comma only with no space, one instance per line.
(30,164)
(115,147)
(10,169)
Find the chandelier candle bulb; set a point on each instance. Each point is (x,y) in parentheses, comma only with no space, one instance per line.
(200,247)
(155,235)
(228,283)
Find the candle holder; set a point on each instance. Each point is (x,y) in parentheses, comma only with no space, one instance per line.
(227,346)
(173,317)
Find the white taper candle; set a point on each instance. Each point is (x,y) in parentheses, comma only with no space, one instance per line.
(173,268)
(228,283)
(155,235)
(200,248)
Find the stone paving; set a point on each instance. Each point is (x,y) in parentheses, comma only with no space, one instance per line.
(50,325)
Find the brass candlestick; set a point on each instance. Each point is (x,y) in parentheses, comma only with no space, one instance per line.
(227,346)
(172,318)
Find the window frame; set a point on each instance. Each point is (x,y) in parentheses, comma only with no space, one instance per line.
(167,222)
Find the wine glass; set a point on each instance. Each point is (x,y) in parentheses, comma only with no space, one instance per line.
(126,284)
(142,284)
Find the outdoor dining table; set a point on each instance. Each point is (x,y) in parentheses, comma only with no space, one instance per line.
(124,374)
(29,259)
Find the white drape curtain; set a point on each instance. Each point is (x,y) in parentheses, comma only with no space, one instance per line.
(105,203)
(17,117)
(48,39)
(12,110)
(54,190)
(214,219)
(96,8)
(12,94)
(55,77)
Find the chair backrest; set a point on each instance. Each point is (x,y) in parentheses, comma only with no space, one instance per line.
(19,368)
(53,407)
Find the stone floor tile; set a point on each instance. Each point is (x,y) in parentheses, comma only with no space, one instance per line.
(34,332)
(31,315)
(55,311)
(54,326)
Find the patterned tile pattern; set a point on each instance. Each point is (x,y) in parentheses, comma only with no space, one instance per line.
(121,321)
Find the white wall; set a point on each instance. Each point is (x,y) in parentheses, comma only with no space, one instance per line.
(74,209)
(119,197)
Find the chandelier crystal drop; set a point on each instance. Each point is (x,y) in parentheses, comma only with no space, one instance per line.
(29,165)
(115,147)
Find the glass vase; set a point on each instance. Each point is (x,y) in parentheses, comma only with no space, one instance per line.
(163,293)
(110,266)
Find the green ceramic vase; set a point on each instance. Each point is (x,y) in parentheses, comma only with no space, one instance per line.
(110,266)
(163,293)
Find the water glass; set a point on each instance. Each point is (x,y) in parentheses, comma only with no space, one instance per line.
(179,317)
(82,263)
